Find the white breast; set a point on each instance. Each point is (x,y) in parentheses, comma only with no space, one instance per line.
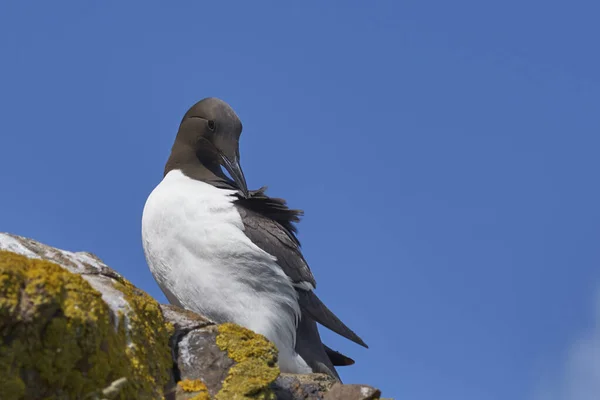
(198,253)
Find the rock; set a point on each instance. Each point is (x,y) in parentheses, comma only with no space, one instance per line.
(352,392)
(199,357)
(183,320)
(300,387)
(72,327)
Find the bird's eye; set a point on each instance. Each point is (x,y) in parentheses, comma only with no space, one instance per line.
(211,125)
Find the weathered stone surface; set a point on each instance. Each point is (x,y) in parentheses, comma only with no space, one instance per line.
(352,392)
(301,387)
(79,262)
(71,327)
(183,320)
(199,357)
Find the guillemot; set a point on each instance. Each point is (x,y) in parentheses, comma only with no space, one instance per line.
(231,254)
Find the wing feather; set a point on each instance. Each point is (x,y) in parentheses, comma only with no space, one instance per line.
(269,224)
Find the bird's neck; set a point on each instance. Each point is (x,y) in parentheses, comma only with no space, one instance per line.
(183,157)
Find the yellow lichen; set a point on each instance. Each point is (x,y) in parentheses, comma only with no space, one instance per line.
(192,385)
(195,385)
(58,339)
(256,364)
(200,396)
(149,352)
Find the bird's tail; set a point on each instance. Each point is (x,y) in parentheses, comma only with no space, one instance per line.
(312,306)
(337,358)
(311,349)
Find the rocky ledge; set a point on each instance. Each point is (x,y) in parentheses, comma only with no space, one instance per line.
(73,328)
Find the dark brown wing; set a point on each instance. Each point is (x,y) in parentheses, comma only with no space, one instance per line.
(269,234)
(268,222)
(275,209)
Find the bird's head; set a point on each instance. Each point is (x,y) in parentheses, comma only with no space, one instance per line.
(212,129)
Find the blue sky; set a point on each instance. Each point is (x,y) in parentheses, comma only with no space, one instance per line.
(445,154)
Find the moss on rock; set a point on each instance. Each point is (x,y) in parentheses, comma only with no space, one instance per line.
(197,387)
(149,353)
(59,339)
(256,364)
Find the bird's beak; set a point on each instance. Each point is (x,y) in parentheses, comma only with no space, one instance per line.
(232,165)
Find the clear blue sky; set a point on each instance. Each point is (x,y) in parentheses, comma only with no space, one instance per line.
(445,154)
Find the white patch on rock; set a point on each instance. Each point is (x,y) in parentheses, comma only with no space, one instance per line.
(78,263)
(87,259)
(81,263)
(365,391)
(112,296)
(187,357)
(12,244)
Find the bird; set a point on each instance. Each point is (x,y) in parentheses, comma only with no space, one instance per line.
(232,254)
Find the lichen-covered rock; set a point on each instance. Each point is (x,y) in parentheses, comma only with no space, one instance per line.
(256,364)
(62,338)
(199,358)
(302,387)
(230,362)
(183,320)
(72,327)
(192,358)
(192,390)
(352,392)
